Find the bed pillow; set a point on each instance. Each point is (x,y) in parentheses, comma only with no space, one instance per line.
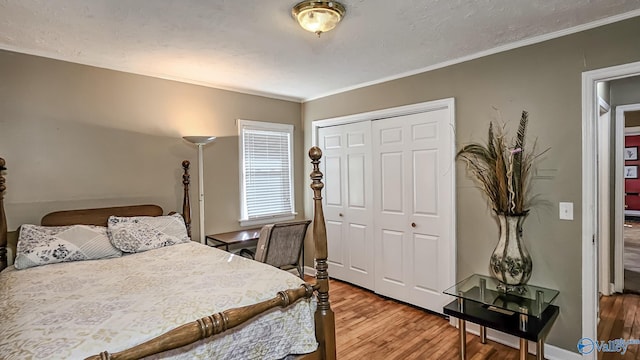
(41,245)
(141,233)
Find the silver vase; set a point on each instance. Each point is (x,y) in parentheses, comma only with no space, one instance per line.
(510,262)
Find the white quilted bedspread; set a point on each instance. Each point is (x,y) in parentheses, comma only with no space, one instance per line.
(74,310)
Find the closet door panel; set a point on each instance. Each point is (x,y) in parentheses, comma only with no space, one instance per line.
(347,167)
(335,244)
(356,177)
(425,182)
(358,240)
(391,270)
(333,185)
(391,178)
(425,257)
(414,177)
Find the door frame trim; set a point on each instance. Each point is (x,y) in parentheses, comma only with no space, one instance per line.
(449,104)
(619,211)
(589,180)
(384,114)
(604,170)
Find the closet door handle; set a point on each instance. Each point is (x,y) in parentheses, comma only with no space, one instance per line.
(340,215)
(413,225)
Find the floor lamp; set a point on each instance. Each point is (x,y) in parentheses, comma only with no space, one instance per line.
(200,141)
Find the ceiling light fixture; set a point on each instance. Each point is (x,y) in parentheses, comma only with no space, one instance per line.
(318,16)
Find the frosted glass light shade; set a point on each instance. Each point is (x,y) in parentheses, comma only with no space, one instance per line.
(199,140)
(318,16)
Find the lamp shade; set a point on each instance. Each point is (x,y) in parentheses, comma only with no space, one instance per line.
(199,140)
(318,16)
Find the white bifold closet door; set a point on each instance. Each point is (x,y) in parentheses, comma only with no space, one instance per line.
(348,201)
(413,198)
(389,205)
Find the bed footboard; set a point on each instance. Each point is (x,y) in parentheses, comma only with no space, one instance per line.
(207,326)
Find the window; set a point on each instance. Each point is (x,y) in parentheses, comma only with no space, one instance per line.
(266,172)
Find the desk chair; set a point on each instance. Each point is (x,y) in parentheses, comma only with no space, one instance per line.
(281,245)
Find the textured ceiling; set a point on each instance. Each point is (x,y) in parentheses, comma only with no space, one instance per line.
(255,46)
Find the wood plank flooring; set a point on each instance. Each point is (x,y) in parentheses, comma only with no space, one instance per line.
(372,327)
(620,319)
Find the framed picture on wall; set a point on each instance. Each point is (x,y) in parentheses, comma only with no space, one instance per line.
(631,171)
(631,153)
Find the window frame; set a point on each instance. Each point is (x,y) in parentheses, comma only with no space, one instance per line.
(266,126)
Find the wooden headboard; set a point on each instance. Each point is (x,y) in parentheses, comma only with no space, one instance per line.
(98,216)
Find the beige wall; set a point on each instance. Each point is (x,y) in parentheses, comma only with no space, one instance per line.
(632,119)
(624,91)
(544,79)
(79,136)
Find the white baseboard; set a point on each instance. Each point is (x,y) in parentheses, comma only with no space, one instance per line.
(550,352)
(311,271)
(608,290)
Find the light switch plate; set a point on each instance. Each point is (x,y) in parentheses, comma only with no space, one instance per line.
(566,210)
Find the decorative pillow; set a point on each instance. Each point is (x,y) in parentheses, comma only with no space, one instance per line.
(142,233)
(41,245)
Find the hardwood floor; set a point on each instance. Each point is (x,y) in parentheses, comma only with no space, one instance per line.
(372,327)
(620,319)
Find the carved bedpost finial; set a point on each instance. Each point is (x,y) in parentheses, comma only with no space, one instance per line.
(2,180)
(186,204)
(315,153)
(3,218)
(325,318)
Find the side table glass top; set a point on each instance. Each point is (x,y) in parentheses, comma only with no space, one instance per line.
(532,300)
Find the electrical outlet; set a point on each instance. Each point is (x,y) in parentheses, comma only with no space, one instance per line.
(566,210)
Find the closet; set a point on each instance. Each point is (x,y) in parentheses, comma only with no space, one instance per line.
(389,200)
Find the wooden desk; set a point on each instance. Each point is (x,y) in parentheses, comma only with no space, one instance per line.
(245,237)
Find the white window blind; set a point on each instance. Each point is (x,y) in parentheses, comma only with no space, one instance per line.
(266,156)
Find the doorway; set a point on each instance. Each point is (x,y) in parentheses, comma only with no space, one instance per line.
(590,220)
(627,241)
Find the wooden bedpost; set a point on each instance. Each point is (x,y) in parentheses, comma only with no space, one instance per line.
(3,219)
(186,205)
(325,319)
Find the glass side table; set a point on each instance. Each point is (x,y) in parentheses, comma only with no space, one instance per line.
(526,313)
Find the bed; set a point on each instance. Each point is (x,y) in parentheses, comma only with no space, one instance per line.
(184,300)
